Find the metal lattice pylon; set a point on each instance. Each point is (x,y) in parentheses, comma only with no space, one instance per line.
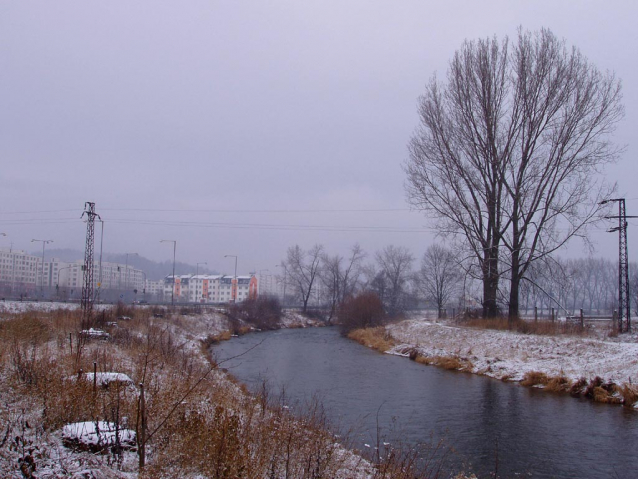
(624,311)
(87,284)
(624,303)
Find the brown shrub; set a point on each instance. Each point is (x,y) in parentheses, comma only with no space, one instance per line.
(558,384)
(629,394)
(262,313)
(579,387)
(533,378)
(364,310)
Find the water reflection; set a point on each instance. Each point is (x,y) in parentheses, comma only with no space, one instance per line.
(491,425)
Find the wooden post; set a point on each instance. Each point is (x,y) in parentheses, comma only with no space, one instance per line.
(142,446)
(94,376)
(553,312)
(71,342)
(535,314)
(582,319)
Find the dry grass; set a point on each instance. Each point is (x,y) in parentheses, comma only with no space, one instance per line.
(542,328)
(558,384)
(376,338)
(447,362)
(199,422)
(534,378)
(629,394)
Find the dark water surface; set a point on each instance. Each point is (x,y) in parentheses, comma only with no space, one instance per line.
(537,434)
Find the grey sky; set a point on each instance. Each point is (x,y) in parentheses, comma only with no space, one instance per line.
(223,105)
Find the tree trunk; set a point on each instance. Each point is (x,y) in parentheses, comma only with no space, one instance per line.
(514,286)
(514,290)
(490,283)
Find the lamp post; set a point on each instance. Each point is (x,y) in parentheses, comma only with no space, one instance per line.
(44,242)
(197,268)
(144,286)
(285,280)
(234,292)
(57,285)
(174,249)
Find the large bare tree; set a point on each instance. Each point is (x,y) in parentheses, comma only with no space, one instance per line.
(509,150)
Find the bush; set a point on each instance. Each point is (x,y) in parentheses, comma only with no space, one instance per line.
(364,310)
(263,313)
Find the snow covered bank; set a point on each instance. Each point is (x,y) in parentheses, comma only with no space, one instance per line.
(509,355)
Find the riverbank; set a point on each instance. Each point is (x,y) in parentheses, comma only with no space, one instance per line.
(199,421)
(564,363)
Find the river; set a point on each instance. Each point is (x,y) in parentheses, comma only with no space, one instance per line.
(491,425)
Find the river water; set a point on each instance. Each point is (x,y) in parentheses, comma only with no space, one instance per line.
(491,425)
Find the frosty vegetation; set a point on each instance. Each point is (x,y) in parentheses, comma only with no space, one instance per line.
(60,419)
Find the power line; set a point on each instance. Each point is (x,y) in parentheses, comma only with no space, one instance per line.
(200,224)
(291,210)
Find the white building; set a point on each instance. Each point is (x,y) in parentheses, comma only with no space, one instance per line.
(206,288)
(18,272)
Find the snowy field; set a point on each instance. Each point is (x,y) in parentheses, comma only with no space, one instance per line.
(24,306)
(509,355)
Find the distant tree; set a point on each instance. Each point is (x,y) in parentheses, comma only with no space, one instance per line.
(393,274)
(508,152)
(302,269)
(439,277)
(339,277)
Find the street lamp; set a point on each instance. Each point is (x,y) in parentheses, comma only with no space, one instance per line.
(234,292)
(44,242)
(174,249)
(57,285)
(144,287)
(197,268)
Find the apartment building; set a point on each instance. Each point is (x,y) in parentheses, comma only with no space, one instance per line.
(18,272)
(210,288)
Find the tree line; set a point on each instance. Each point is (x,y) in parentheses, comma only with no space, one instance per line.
(440,280)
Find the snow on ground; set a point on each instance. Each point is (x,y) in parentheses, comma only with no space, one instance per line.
(294,319)
(24,306)
(509,355)
(97,434)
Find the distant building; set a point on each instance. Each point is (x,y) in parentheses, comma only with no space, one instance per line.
(18,272)
(206,288)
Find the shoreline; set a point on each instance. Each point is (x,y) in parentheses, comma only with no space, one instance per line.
(601,370)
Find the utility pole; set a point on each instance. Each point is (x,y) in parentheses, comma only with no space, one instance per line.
(624,303)
(233,291)
(173,287)
(87,286)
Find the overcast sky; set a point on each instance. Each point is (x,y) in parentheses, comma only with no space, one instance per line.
(163,112)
